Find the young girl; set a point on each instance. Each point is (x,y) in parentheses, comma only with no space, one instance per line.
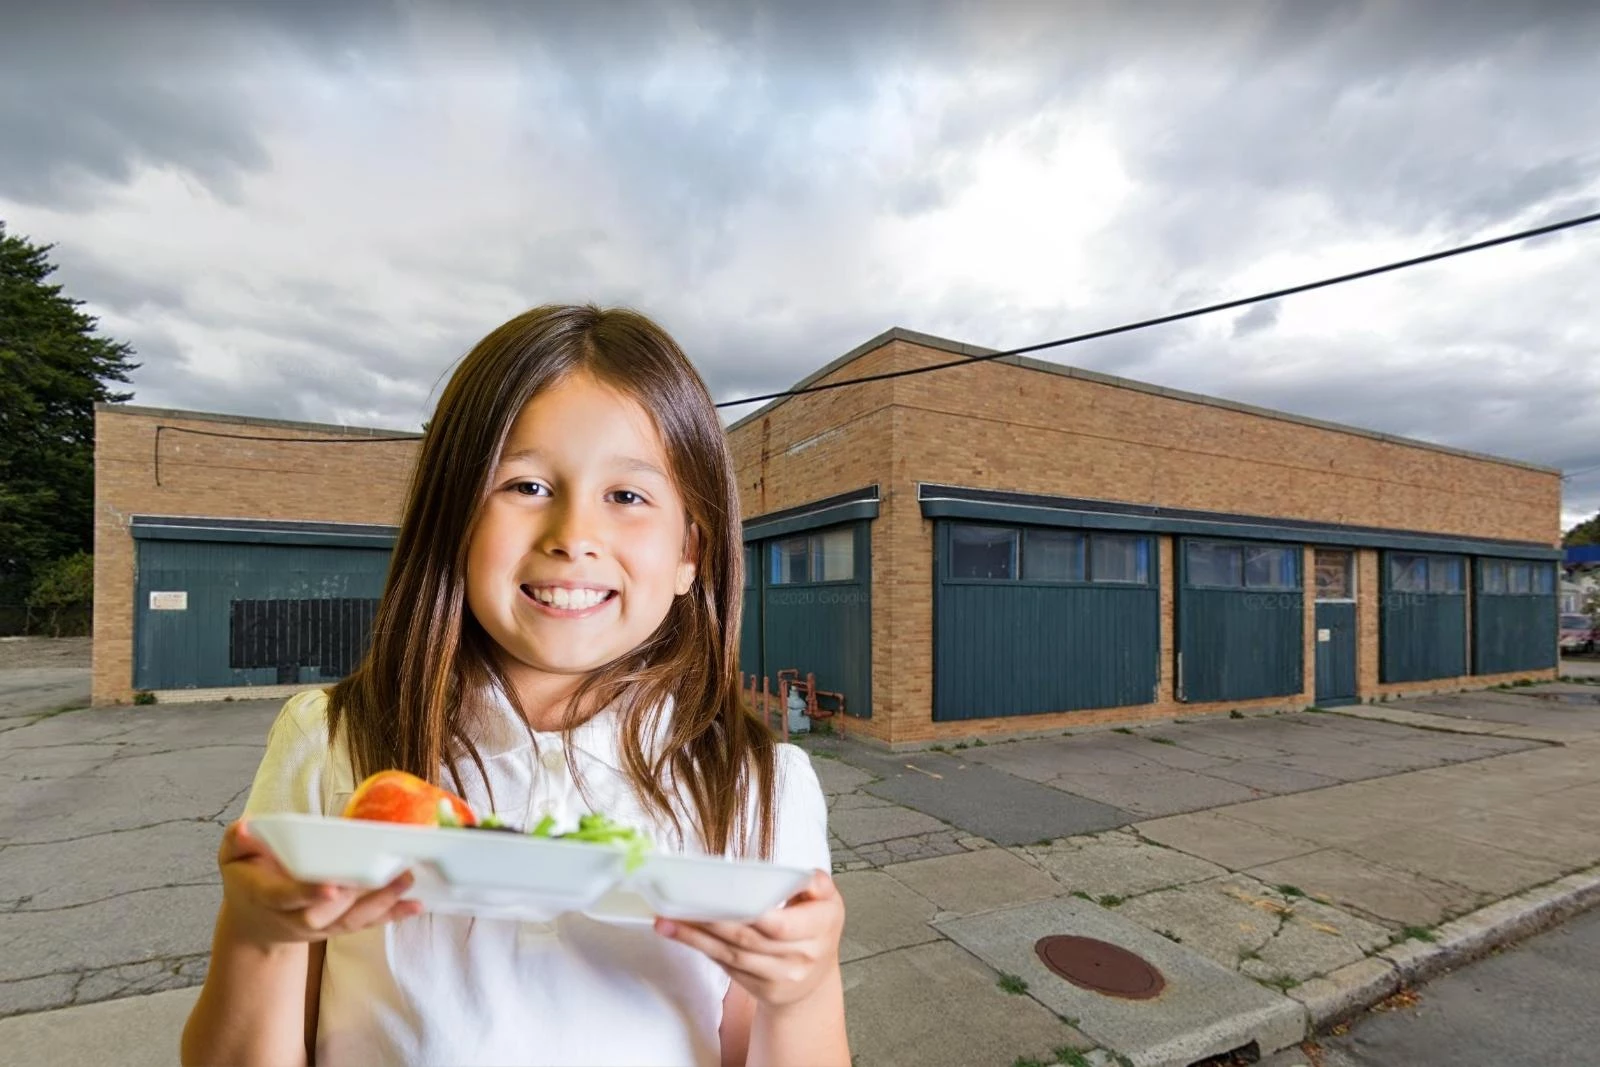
(558,634)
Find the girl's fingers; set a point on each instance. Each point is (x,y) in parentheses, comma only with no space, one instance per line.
(355,910)
(785,962)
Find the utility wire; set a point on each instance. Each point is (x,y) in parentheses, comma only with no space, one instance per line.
(1523,235)
(361,439)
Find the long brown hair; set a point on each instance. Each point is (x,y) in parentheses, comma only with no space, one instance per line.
(406,706)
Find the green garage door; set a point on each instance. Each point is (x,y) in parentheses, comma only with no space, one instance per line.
(808,607)
(217,613)
(1030,620)
(1514,616)
(1422,627)
(1241,620)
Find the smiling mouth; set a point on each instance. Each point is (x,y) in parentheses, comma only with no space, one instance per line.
(564,599)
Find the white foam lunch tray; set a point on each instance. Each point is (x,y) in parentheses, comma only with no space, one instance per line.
(513,876)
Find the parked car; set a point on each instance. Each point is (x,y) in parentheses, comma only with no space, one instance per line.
(1579,633)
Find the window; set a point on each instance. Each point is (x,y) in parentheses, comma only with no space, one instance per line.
(1054,556)
(1119,558)
(1518,578)
(789,558)
(1494,575)
(1219,565)
(1036,554)
(1409,573)
(983,552)
(828,556)
(1335,574)
(1215,565)
(1544,579)
(1505,577)
(1270,568)
(1444,575)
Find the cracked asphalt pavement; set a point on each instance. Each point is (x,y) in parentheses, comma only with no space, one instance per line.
(109,825)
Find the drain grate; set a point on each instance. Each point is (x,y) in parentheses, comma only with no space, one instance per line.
(1100,967)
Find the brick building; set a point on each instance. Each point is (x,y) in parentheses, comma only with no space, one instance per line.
(1004,548)
(215,534)
(1019,547)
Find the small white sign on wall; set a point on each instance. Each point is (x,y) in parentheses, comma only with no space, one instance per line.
(1324,635)
(169,601)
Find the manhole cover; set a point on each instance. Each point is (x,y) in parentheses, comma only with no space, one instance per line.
(1100,966)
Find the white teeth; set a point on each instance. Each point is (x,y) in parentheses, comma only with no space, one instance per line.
(568,599)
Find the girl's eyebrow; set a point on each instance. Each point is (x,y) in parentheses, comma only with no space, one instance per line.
(631,464)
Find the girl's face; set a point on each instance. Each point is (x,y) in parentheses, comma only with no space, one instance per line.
(583,541)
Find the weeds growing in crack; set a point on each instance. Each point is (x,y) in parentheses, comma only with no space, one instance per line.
(1012,983)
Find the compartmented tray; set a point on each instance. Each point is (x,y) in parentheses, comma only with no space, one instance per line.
(514,876)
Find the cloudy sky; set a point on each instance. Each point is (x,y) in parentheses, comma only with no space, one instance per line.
(308,215)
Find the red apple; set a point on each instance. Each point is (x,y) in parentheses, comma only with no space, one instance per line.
(395,796)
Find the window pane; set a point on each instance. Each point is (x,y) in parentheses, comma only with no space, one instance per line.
(1269,568)
(1517,578)
(1333,574)
(1494,575)
(789,561)
(833,555)
(1119,558)
(1408,574)
(1444,575)
(1214,564)
(1053,556)
(983,552)
(1544,578)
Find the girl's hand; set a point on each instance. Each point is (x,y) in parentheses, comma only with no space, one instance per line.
(782,957)
(266,905)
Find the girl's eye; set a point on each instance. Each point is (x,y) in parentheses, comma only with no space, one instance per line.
(627,496)
(528,488)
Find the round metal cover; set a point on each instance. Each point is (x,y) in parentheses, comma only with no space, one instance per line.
(1100,966)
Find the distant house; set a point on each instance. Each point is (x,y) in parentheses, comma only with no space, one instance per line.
(1580,581)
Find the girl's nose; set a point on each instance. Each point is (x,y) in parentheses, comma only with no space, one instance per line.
(572,533)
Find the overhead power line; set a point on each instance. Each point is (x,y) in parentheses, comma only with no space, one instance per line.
(356,439)
(1162,320)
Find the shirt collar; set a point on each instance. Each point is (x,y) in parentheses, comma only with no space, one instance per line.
(500,730)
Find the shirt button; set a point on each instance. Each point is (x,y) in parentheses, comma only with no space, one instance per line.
(553,760)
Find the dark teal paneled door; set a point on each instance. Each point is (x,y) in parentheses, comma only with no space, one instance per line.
(1336,628)
(227,613)
(1241,621)
(810,609)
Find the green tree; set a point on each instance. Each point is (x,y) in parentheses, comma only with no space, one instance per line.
(54,368)
(1584,533)
(64,586)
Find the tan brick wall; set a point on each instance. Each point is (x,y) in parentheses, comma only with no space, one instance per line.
(997,426)
(826,443)
(221,478)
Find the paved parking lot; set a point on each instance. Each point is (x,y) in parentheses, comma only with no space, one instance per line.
(1269,849)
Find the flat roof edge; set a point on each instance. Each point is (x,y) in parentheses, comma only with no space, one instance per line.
(251,420)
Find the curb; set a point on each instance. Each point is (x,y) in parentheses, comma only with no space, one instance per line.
(1351,990)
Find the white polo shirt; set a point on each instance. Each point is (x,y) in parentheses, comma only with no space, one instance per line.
(571,992)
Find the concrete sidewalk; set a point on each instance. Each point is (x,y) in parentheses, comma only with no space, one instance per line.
(1275,870)
(1266,916)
